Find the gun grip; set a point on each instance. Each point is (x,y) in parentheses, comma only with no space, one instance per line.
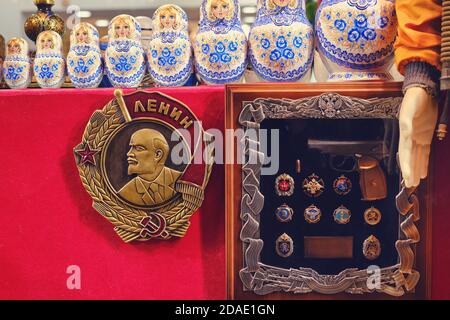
(372,179)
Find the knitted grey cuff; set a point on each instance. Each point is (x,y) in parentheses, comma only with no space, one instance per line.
(423,75)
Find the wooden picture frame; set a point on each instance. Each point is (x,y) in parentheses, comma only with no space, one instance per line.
(371,99)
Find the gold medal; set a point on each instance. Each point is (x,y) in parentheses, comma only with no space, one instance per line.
(372,216)
(126,152)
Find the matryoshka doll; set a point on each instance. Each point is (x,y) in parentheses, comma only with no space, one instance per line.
(355,38)
(281,41)
(105,83)
(49,65)
(84,61)
(170,55)
(220,45)
(147,32)
(17,64)
(124,57)
(146,24)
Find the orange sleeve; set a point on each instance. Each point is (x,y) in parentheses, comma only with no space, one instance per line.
(419,32)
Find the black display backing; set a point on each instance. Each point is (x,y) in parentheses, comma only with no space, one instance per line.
(294,135)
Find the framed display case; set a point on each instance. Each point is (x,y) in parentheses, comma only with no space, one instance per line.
(314,200)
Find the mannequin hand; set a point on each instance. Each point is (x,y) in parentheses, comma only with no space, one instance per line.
(418,117)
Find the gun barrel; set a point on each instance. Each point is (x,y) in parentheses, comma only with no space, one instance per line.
(375,148)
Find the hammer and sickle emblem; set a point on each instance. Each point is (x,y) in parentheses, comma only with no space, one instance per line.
(153,226)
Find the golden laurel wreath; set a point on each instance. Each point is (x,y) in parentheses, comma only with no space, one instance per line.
(132,223)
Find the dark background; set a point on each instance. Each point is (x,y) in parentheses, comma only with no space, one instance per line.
(294,135)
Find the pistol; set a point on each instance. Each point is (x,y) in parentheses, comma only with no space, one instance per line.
(365,155)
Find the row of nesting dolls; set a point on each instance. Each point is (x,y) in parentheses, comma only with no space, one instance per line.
(280,46)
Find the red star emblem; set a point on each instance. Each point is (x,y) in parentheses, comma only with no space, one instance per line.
(87,155)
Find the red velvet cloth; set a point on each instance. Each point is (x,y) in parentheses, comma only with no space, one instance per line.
(47,222)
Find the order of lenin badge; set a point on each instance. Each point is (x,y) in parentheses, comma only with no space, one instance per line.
(135,160)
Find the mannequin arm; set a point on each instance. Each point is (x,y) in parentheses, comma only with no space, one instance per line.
(417,56)
(418,116)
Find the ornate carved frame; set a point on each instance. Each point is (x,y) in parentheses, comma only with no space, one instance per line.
(263,279)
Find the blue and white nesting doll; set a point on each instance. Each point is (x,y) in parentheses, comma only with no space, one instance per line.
(220,45)
(49,64)
(146,24)
(281,41)
(124,57)
(355,38)
(170,56)
(17,64)
(84,61)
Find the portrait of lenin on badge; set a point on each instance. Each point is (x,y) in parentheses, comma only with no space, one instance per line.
(147,156)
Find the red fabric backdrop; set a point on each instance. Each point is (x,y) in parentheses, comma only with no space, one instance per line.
(47,222)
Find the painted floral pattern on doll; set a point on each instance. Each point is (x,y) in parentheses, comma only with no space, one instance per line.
(281,41)
(220,45)
(170,54)
(17,65)
(49,64)
(84,61)
(124,57)
(356,38)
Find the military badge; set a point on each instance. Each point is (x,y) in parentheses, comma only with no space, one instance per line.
(284,246)
(342,185)
(284,213)
(284,185)
(372,216)
(371,248)
(313,186)
(312,214)
(342,215)
(134,160)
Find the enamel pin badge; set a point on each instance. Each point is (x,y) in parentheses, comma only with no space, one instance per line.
(126,161)
(284,185)
(312,214)
(342,215)
(284,213)
(371,248)
(313,186)
(284,246)
(342,185)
